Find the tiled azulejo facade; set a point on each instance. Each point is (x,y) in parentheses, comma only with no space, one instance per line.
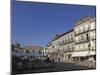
(78,44)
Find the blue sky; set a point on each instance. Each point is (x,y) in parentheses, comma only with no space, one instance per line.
(37,23)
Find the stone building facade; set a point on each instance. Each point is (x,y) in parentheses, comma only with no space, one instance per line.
(77,44)
(85,39)
(62,46)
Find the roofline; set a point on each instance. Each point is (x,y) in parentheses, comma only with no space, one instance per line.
(84,19)
(63,34)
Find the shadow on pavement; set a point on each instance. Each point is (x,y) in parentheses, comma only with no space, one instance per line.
(58,67)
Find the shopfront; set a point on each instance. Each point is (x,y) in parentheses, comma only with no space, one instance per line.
(84,56)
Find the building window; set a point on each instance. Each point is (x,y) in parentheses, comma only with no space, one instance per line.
(53,46)
(86,46)
(86,27)
(81,47)
(77,47)
(66,47)
(71,37)
(94,35)
(80,38)
(77,39)
(81,29)
(64,40)
(61,48)
(94,47)
(84,37)
(76,31)
(92,26)
(88,36)
(71,46)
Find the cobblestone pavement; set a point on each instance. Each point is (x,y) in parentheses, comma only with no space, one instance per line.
(88,64)
(58,67)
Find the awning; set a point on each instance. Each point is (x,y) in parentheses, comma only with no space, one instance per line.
(83,53)
(80,54)
(92,53)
